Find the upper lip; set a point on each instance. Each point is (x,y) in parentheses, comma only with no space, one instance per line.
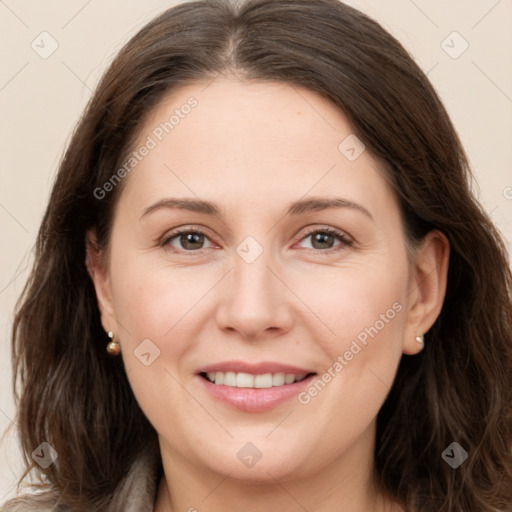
(253,368)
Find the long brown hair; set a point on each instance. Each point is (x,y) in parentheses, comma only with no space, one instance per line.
(71,395)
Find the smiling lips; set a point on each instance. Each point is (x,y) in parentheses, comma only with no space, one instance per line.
(253,387)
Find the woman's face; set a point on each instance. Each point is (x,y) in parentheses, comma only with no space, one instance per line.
(277,282)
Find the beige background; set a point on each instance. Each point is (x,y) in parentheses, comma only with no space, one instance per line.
(41,99)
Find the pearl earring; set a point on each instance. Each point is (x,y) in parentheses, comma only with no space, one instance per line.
(113,346)
(421,339)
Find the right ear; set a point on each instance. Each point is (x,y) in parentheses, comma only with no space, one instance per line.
(94,262)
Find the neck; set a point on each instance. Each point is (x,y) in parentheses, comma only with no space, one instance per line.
(347,483)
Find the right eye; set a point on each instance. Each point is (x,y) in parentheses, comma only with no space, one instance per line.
(189,239)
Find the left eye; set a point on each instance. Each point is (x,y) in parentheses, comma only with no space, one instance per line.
(322,239)
(327,236)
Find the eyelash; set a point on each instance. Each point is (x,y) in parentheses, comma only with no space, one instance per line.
(339,235)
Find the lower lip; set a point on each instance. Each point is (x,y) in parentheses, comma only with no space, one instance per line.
(253,399)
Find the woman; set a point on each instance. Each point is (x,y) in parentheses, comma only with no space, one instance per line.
(262,282)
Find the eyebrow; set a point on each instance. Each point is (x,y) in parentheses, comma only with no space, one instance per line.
(296,208)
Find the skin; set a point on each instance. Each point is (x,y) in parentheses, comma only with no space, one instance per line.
(253,148)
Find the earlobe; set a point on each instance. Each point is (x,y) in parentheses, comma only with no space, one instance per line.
(427,289)
(99,277)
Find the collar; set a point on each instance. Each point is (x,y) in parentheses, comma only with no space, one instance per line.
(137,492)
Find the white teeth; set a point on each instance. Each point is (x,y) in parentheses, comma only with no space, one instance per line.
(263,381)
(247,380)
(278,379)
(289,378)
(229,379)
(244,380)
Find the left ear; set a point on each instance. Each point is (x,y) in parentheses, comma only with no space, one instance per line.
(427,288)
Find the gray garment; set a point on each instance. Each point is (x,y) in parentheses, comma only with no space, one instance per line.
(136,493)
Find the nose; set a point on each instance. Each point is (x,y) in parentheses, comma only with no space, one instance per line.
(257,303)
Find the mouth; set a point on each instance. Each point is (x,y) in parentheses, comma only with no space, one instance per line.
(253,388)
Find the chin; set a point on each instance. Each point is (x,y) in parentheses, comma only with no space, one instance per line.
(261,461)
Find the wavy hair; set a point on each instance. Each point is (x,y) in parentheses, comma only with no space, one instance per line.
(70,394)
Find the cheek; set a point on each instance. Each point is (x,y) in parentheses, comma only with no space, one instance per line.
(155,307)
(355,301)
(371,308)
(151,300)
(364,307)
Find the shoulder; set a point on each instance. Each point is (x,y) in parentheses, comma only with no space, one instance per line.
(136,493)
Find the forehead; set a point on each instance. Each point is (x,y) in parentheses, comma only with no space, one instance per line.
(273,113)
(251,141)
